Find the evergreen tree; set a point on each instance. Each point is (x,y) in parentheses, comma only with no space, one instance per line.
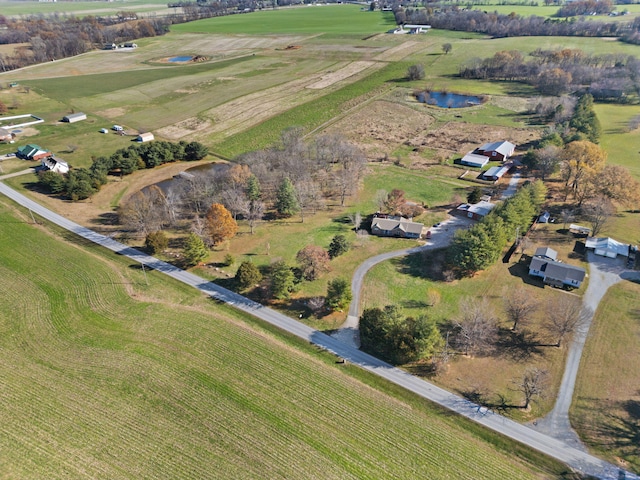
(338,246)
(248,275)
(195,251)
(282,280)
(286,202)
(338,294)
(156,242)
(474,195)
(585,120)
(253,189)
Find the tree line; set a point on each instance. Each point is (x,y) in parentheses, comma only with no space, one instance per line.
(82,183)
(612,77)
(499,25)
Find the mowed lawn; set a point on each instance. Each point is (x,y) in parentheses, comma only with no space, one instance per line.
(105,376)
(328,20)
(606,408)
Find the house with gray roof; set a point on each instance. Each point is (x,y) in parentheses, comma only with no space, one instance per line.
(545,265)
(396,227)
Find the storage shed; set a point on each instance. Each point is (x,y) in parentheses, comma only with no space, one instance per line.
(74,117)
(607,247)
(145,137)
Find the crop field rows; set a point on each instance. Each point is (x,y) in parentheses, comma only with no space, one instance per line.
(104,386)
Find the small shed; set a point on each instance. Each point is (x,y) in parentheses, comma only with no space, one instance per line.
(145,137)
(544,217)
(475,211)
(74,117)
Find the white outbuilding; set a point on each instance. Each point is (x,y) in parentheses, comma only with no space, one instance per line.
(145,137)
(74,117)
(607,247)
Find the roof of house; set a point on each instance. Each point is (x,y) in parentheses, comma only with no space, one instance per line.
(503,147)
(563,271)
(546,252)
(402,224)
(31,149)
(539,264)
(475,160)
(608,243)
(481,208)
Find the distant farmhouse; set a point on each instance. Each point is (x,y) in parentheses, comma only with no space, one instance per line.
(392,226)
(545,264)
(55,164)
(475,211)
(496,151)
(33,152)
(74,117)
(607,247)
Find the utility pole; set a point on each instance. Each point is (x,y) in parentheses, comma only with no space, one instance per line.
(32,217)
(146,280)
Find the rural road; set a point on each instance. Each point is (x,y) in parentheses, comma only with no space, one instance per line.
(603,273)
(440,237)
(577,459)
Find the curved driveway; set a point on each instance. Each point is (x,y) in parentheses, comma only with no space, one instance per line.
(557,449)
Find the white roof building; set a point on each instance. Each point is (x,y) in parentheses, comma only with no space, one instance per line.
(55,165)
(607,247)
(145,137)
(474,160)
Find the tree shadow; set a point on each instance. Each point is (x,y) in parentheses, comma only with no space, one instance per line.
(521,271)
(518,346)
(477,396)
(414,304)
(107,218)
(426,264)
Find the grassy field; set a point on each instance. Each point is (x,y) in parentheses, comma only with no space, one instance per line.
(326,20)
(105,376)
(11,8)
(606,412)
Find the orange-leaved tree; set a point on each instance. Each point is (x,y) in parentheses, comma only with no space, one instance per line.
(220,224)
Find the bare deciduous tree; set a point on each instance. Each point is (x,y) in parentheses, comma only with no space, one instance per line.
(476,326)
(519,306)
(564,316)
(533,384)
(599,212)
(567,216)
(356,220)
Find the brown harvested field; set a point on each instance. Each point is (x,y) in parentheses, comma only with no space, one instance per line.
(332,77)
(382,126)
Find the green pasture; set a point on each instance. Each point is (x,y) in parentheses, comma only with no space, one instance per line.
(111,373)
(326,20)
(12,8)
(605,409)
(621,144)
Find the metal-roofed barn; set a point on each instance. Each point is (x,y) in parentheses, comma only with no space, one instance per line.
(74,117)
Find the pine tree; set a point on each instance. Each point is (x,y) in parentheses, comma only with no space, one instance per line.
(286,202)
(248,274)
(338,293)
(338,246)
(282,280)
(195,251)
(253,189)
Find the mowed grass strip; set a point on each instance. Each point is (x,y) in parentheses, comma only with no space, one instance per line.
(100,384)
(606,408)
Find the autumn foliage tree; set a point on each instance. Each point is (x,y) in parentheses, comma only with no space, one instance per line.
(314,261)
(220,224)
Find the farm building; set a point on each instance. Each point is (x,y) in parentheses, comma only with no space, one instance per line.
(553,272)
(496,150)
(145,137)
(33,152)
(6,135)
(74,117)
(607,247)
(396,227)
(475,211)
(496,173)
(473,160)
(544,217)
(55,164)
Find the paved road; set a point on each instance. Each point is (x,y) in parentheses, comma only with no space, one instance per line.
(577,459)
(440,237)
(603,273)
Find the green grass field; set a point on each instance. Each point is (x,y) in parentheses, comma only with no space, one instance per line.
(327,20)
(107,377)
(11,8)
(606,406)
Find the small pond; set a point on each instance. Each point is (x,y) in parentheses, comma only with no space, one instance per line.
(181,59)
(449,99)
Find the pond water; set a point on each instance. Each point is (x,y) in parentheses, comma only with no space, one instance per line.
(448,99)
(181,59)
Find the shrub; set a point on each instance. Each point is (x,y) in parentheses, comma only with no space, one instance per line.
(156,242)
